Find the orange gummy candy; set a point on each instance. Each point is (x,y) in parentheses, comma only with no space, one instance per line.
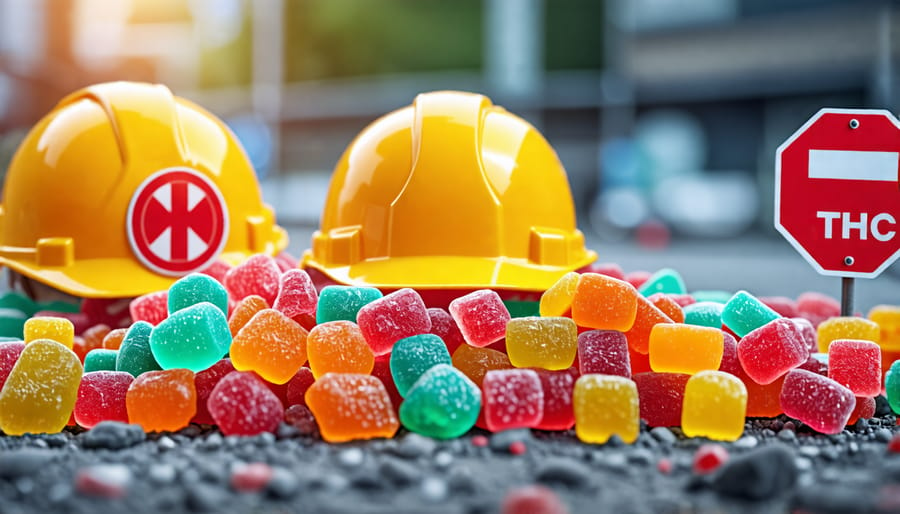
(669,306)
(678,348)
(351,406)
(648,315)
(604,302)
(272,345)
(162,400)
(245,310)
(113,339)
(338,347)
(476,362)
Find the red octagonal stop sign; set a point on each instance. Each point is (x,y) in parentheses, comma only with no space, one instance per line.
(837,198)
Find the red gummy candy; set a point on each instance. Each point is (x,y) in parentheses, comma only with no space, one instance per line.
(818,401)
(808,333)
(391,318)
(782,305)
(151,307)
(610,269)
(241,404)
(856,364)
(382,371)
(101,397)
(296,294)
(204,382)
(817,307)
(730,362)
(301,418)
(297,386)
(257,275)
(513,398)
(660,396)
(217,270)
(481,317)
(443,326)
(286,261)
(557,386)
(637,278)
(9,354)
(110,311)
(865,409)
(605,352)
(772,350)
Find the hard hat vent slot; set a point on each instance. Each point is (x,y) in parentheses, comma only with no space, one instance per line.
(55,251)
(552,247)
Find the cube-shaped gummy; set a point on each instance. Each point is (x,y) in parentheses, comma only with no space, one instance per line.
(680,348)
(606,405)
(539,342)
(715,405)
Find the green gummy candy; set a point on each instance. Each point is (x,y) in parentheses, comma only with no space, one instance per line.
(413,356)
(343,302)
(443,403)
(195,288)
(522,309)
(100,359)
(892,386)
(704,314)
(135,356)
(666,281)
(744,313)
(12,322)
(20,302)
(712,295)
(59,306)
(193,338)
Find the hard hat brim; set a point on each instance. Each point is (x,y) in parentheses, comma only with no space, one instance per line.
(447,272)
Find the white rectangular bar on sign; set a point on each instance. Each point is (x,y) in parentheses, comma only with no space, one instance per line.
(852,165)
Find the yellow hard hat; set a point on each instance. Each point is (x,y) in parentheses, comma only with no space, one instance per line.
(124,187)
(450,192)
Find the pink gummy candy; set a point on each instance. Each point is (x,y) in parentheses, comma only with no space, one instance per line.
(443,326)
(557,387)
(782,305)
(217,270)
(241,404)
(512,398)
(9,354)
(296,294)
(817,307)
(204,382)
(772,350)
(101,397)
(481,317)
(605,352)
(807,332)
(151,307)
(660,396)
(391,318)
(113,312)
(286,261)
(818,401)
(257,275)
(856,364)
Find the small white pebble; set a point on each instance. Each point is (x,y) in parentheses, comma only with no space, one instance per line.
(351,457)
(443,459)
(434,489)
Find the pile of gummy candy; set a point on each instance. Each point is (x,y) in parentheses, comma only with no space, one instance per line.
(250,347)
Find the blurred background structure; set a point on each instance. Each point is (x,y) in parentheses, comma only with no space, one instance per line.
(665,113)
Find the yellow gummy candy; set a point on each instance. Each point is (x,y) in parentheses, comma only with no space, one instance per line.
(715,404)
(846,327)
(680,348)
(60,330)
(557,300)
(606,405)
(888,319)
(549,343)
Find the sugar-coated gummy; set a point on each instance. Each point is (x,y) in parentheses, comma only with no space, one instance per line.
(113,339)
(888,319)
(101,397)
(846,327)
(557,387)
(297,386)
(100,359)
(512,398)
(151,307)
(60,330)
(339,347)
(444,326)
(195,288)
(715,405)
(705,314)
(481,316)
(744,313)
(606,405)
(243,311)
(807,332)
(856,364)
(661,397)
(135,356)
(770,351)
(669,306)
(557,300)
(818,401)
(605,303)
(241,404)
(388,319)
(351,406)
(9,354)
(343,302)
(204,382)
(443,403)
(193,338)
(258,275)
(296,294)
(783,305)
(40,391)
(272,345)
(680,348)
(892,386)
(648,315)
(413,356)
(476,362)
(542,342)
(604,352)
(666,281)
(164,400)
(817,307)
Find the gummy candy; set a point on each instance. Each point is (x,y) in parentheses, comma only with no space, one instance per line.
(476,362)
(666,281)
(606,405)
(817,307)
(807,332)
(783,305)
(382,371)
(243,311)
(637,278)
(865,409)
(512,398)
(162,400)
(135,356)
(679,348)
(297,386)
(891,386)
(888,319)
(195,288)
(100,359)
(241,404)
(818,401)
(557,301)
(40,391)
(343,302)
(604,352)
(730,362)
(648,315)
(296,294)
(193,338)
(558,387)
(257,275)
(661,397)
(270,344)
(542,342)
(715,404)
(217,270)
(443,326)
(60,330)
(704,314)
(744,313)
(481,317)
(669,306)
(12,322)
(113,339)
(351,406)
(101,397)
(842,327)
(711,295)
(9,354)
(413,356)
(387,320)
(151,307)
(204,382)
(605,303)
(339,347)
(443,403)
(771,350)
(856,365)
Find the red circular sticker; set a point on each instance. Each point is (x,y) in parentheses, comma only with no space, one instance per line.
(177,222)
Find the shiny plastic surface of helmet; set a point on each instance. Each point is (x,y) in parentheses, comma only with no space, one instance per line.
(450,192)
(124,187)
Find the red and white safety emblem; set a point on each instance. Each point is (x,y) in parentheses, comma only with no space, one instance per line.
(177,222)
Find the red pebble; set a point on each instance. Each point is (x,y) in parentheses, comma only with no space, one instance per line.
(610,269)
(661,396)
(241,404)
(664,465)
(9,354)
(893,445)
(257,275)
(709,457)
(151,307)
(382,371)
(605,352)
(817,307)
(204,382)
(101,397)
(512,398)
(296,294)
(782,305)
(103,481)
(217,270)
(479,441)
(517,448)
(481,317)
(533,499)
(393,317)
(297,386)
(856,364)
(251,478)
(557,387)
(772,350)
(301,418)
(443,326)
